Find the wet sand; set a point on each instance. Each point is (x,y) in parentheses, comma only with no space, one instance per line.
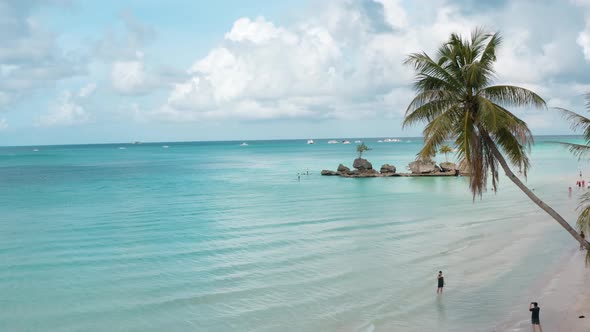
(563,297)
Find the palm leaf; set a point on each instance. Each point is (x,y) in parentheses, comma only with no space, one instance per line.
(508,95)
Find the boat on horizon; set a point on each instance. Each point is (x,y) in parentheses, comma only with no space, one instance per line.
(333,142)
(165,146)
(244,144)
(310,141)
(357,141)
(390,140)
(345,142)
(137,142)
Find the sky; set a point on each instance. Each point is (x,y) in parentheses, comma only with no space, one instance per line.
(75,72)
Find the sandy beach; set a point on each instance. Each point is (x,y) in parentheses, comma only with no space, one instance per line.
(563,296)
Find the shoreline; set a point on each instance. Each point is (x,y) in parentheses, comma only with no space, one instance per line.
(563,296)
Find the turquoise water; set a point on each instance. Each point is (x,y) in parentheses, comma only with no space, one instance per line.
(222,237)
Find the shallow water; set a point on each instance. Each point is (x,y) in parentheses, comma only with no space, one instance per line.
(222,237)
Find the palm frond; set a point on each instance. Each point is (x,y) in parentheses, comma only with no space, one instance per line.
(579,150)
(508,95)
(429,68)
(436,132)
(577,121)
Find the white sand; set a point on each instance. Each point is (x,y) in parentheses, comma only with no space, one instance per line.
(564,298)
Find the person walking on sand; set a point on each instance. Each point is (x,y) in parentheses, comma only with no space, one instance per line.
(534,309)
(441,283)
(583,240)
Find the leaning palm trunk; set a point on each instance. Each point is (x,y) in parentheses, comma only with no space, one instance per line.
(531,195)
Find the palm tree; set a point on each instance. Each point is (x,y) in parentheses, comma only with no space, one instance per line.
(580,122)
(446,150)
(457,101)
(362,148)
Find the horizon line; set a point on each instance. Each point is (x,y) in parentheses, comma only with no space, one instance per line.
(234,140)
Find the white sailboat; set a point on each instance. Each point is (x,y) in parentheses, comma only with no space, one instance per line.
(310,141)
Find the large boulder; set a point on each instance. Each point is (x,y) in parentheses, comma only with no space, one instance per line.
(387,169)
(343,169)
(423,167)
(448,167)
(362,164)
(464,168)
(328,172)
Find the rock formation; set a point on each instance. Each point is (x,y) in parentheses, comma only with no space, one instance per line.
(343,169)
(423,167)
(362,164)
(448,167)
(387,169)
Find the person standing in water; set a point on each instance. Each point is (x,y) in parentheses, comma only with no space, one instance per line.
(534,309)
(441,283)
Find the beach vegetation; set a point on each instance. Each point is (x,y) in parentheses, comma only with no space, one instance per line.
(581,123)
(445,149)
(458,101)
(362,148)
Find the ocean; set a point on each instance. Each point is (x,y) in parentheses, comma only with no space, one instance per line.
(215,236)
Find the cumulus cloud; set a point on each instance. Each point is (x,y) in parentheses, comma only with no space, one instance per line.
(337,65)
(347,60)
(69,109)
(130,77)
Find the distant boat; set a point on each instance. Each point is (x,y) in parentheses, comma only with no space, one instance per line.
(379,141)
(345,142)
(165,146)
(122,148)
(137,142)
(389,140)
(244,144)
(333,142)
(358,141)
(35,150)
(310,141)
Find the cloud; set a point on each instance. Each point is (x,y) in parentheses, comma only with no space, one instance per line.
(3,124)
(318,68)
(69,109)
(30,57)
(129,77)
(87,90)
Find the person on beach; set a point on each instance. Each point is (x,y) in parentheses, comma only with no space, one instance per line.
(583,183)
(583,240)
(569,192)
(441,283)
(534,309)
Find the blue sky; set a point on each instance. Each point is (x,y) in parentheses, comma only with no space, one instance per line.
(118,71)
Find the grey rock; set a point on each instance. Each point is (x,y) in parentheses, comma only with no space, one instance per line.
(328,172)
(423,167)
(448,167)
(343,169)
(386,169)
(362,164)
(464,168)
